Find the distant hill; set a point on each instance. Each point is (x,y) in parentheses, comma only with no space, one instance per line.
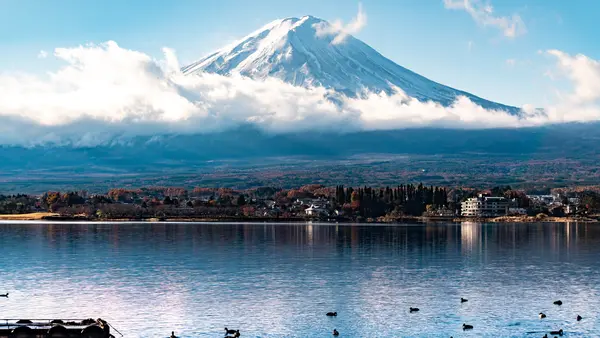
(572,140)
(542,157)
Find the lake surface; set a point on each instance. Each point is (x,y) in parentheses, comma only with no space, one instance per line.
(279,280)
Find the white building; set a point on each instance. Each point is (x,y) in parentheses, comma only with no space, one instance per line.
(542,199)
(315,210)
(484,206)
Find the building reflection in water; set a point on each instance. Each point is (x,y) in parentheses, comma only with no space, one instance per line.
(470,237)
(309,233)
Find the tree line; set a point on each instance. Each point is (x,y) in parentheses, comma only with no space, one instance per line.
(406,199)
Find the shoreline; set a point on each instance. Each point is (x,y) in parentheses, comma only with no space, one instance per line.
(47,216)
(527,219)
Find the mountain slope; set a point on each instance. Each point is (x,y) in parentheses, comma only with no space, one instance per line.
(295,50)
(557,155)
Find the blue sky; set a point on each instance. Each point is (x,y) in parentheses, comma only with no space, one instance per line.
(447,45)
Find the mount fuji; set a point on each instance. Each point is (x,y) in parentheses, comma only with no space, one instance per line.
(307,52)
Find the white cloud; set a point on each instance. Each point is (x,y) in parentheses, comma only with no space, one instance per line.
(106,94)
(42,54)
(341,31)
(382,111)
(583,103)
(511,62)
(483,14)
(583,72)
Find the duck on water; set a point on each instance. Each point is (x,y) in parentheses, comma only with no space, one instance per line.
(235,333)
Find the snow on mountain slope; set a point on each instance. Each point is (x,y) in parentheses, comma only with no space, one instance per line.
(296,51)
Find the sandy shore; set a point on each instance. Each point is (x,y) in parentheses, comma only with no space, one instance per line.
(35,216)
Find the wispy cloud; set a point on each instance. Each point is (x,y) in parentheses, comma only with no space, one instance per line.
(511,62)
(42,54)
(339,30)
(483,14)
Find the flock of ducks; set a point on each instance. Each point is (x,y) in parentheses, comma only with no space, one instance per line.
(411,310)
(542,315)
(560,332)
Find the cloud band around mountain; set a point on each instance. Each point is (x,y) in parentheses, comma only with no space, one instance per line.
(105,92)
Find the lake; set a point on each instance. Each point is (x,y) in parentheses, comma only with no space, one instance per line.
(279,280)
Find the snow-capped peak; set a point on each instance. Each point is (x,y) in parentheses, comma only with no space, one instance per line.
(268,45)
(305,52)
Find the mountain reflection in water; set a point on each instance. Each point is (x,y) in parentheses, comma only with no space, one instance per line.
(276,280)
